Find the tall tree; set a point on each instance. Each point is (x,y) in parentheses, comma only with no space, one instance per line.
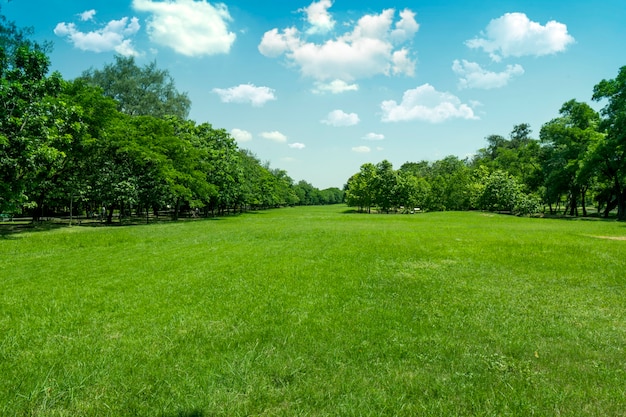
(566,142)
(360,188)
(611,152)
(146,91)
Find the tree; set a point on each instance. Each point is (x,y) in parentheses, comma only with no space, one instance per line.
(449,181)
(384,184)
(37,128)
(566,142)
(610,153)
(411,190)
(140,91)
(360,188)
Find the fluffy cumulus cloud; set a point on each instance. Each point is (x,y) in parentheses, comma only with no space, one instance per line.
(472,75)
(274,136)
(189,27)
(246,93)
(297,145)
(361,149)
(241,135)
(339,118)
(374,46)
(425,103)
(114,36)
(374,136)
(514,34)
(318,17)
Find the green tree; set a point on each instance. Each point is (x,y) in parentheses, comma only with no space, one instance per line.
(37,129)
(140,91)
(566,142)
(449,181)
(360,188)
(610,153)
(384,184)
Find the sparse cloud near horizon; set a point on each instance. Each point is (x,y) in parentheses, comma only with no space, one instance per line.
(472,75)
(339,118)
(374,136)
(246,93)
(297,145)
(241,135)
(274,136)
(425,103)
(361,149)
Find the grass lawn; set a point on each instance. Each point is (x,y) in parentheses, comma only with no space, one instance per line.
(315,311)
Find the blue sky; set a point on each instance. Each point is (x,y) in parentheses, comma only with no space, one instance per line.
(318,88)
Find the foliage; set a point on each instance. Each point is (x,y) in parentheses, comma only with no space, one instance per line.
(610,152)
(139,91)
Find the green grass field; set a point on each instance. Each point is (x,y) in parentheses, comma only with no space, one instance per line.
(316,312)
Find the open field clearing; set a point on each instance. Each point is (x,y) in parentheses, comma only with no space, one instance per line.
(316,311)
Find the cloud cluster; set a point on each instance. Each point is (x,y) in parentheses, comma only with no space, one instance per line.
(514,34)
(510,35)
(114,36)
(472,75)
(246,93)
(339,118)
(191,28)
(373,47)
(425,103)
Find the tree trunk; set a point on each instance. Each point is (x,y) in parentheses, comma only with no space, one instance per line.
(176,209)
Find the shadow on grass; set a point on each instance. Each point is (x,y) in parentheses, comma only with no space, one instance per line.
(186,413)
(589,218)
(8,229)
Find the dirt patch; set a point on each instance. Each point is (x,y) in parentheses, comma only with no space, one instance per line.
(610,237)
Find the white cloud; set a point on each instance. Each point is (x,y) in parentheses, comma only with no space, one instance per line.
(246,93)
(318,17)
(406,27)
(371,48)
(340,118)
(189,27)
(113,37)
(241,135)
(402,64)
(274,136)
(334,87)
(297,145)
(472,75)
(374,136)
(426,104)
(514,34)
(361,149)
(87,15)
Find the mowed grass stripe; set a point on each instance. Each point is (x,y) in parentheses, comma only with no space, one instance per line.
(316,311)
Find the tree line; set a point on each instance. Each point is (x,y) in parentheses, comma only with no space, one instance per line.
(118,140)
(579,159)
